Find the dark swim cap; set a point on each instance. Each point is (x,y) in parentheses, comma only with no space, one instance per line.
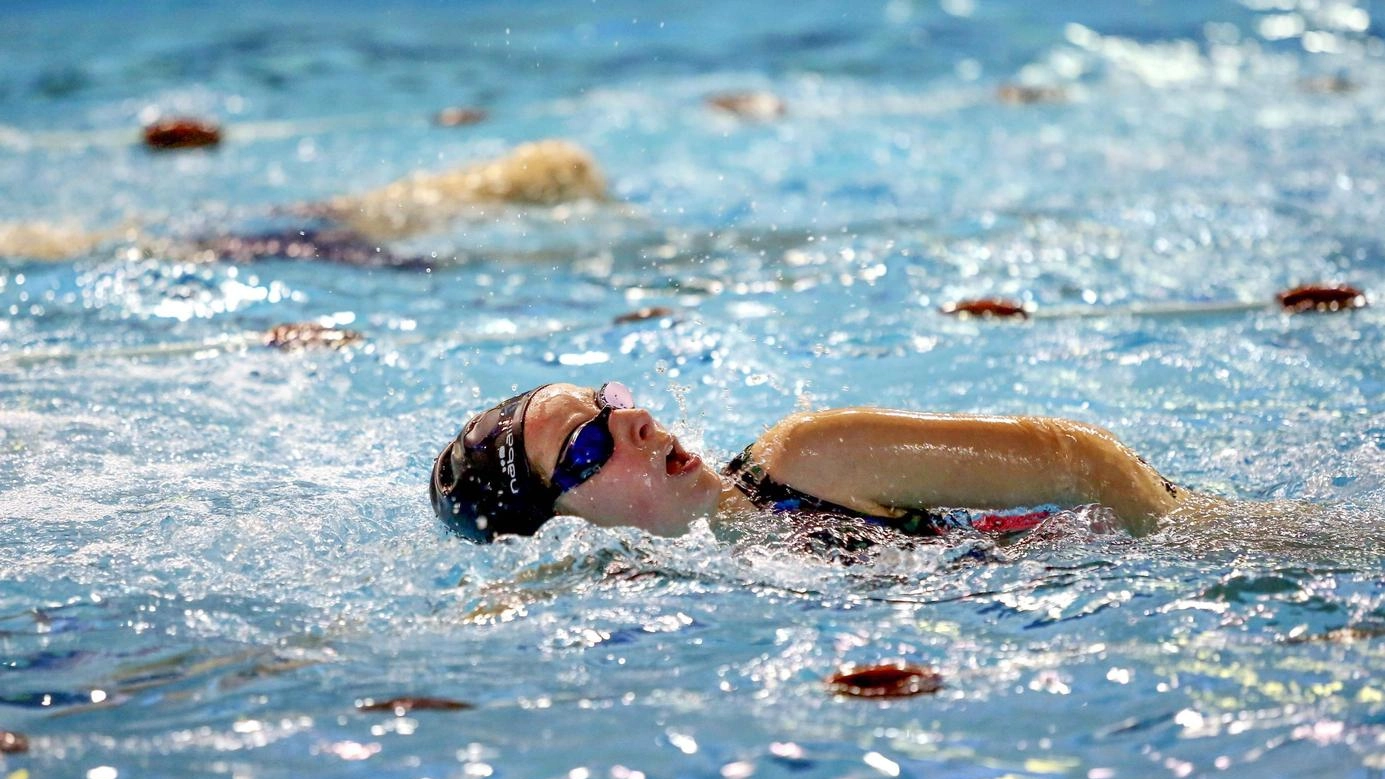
(482,485)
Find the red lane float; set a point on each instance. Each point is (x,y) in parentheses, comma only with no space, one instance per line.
(12,743)
(402,706)
(999,308)
(888,680)
(641,314)
(1315,297)
(181,133)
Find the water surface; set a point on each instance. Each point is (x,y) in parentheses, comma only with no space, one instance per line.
(208,560)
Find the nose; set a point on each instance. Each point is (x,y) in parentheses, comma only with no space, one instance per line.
(633,424)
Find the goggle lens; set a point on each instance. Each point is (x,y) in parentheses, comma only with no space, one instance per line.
(616,395)
(591,445)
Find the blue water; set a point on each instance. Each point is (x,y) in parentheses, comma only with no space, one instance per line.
(208,559)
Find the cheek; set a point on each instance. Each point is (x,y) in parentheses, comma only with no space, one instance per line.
(622,492)
(627,492)
(636,490)
(640,492)
(630,469)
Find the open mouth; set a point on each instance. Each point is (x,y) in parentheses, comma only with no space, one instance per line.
(679,461)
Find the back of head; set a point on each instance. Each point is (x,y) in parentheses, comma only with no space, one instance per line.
(482,485)
(545,172)
(539,173)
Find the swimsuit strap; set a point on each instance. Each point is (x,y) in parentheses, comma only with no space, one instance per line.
(751,479)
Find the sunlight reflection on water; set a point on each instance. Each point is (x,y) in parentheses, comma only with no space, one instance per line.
(208,557)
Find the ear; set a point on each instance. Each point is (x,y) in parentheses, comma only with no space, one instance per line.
(564,507)
(572,505)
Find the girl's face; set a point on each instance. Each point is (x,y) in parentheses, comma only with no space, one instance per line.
(650,481)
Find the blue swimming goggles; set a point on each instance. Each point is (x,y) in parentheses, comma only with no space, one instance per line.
(591,445)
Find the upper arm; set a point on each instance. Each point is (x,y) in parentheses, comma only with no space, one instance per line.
(874,460)
(881,461)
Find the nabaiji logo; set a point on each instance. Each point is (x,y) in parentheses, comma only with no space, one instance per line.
(507,461)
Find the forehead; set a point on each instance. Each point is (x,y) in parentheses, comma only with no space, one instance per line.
(553,413)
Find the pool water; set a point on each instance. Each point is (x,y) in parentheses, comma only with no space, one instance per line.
(211,558)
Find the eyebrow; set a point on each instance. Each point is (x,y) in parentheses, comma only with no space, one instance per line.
(596,400)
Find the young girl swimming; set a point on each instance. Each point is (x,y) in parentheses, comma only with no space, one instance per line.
(564,449)
(350,228)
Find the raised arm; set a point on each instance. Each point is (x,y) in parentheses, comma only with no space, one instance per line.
(880,461)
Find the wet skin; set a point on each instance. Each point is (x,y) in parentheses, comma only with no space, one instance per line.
(876,461)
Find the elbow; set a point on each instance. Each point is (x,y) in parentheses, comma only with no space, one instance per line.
(1108,472)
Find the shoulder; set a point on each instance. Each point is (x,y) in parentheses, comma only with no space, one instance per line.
(803,433)
(820,453)
(852,422)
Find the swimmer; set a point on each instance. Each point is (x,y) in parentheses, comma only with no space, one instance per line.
(49,241)
(542,173)
(564,449)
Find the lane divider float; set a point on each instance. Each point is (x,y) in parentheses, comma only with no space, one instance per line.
(1298,300)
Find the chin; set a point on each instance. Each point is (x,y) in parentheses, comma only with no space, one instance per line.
(674,524)
(670,528)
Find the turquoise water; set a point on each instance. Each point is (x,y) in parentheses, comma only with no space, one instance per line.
(209,559)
